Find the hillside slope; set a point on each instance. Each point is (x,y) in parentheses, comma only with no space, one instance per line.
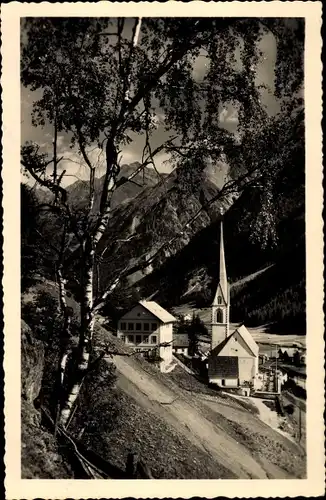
(180,434)
(156,217)
(267,285)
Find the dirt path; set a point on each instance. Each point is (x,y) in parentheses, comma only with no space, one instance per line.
(176,410)
(270,417)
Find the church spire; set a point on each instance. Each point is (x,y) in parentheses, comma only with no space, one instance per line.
(222,276)
(221,302)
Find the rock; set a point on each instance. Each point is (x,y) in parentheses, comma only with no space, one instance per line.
(32,363)
(40,456)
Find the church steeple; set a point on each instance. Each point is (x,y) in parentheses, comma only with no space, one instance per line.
(223,282)
(221,302)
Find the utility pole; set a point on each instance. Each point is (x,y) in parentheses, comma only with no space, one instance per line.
(276,381)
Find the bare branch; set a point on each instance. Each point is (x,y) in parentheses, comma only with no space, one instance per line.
(55,140)
(109,353)
(107,34)
(54,188)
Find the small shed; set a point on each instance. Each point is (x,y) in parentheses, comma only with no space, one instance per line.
(180,343)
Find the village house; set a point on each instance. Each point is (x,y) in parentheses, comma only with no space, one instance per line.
(148,327)
(180,343)
(233,360)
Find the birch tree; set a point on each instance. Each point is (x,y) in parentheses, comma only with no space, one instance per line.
(102,80)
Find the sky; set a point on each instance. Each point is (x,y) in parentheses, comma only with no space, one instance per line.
(73,164)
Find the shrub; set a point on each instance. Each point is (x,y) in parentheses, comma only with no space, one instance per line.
(43,315)
(289,409)
(98,407)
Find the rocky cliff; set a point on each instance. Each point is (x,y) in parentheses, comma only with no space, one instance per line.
(40,452)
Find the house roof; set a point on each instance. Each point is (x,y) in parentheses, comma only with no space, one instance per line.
(289,350)
(223,366)
(247,337)
(157,311)
(180,340)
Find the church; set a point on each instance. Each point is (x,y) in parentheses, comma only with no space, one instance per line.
(233,359)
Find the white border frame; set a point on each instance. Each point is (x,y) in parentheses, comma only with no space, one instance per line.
(28,489)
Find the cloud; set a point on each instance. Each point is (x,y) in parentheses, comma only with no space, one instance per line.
(162,163)
(128,156)
(200,66)
(228,115)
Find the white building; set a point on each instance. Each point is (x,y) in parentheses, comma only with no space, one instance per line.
(233,360)
(146,327)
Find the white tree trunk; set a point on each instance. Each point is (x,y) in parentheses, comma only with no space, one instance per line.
(66,325)
(87,310)
(86,335)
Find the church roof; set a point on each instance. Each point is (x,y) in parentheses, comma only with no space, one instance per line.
(223,366)
(216,351)
(158,311)
(247,337)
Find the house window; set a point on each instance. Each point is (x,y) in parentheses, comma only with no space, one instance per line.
(146,327)
(154,327)
(223,381)
(219,299)
(130,326)
(153,339)
(123,326)
(138,339)
(219,316)
(138,327)
(145,339)
(130,339)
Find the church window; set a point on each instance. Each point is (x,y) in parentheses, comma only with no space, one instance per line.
(219,316)
(219,299)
